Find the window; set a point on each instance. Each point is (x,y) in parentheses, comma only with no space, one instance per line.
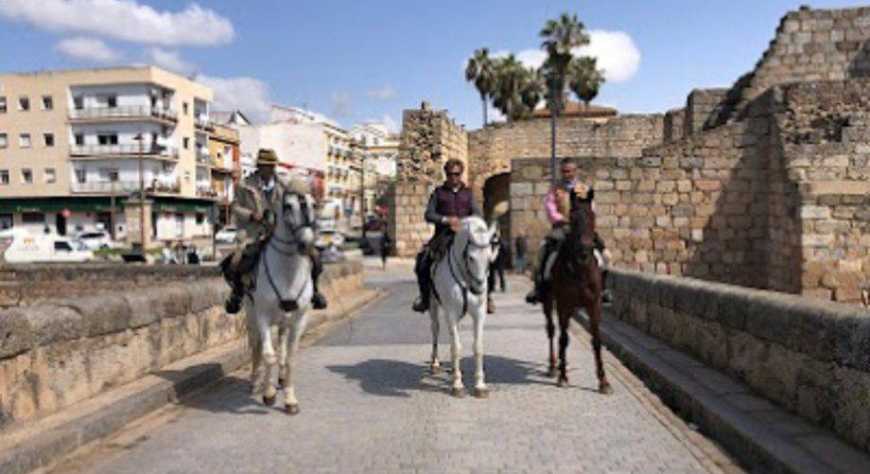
(107,138)
(108,174)
(32,218)
(47,102)
(4,140)
(48,138)
(2,105)
(5,221)
(200,218)
(80,139)
(24,140)
(27,176)
(4,177)
(62,246)
(81,176)
(184,107)
(78,102)
(186,143)
(24,103)
(50,176)
(112,101)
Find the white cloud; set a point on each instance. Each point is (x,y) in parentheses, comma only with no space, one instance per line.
(341,106)
(383,93)
(88,49)
(617,54)
(171,60)
(247,94)
(124,20)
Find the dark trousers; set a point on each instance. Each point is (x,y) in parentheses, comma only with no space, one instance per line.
(495,270)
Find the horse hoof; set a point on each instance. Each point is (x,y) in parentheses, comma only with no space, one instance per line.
(552,373)
(605,389)
(292,409)
(563,382)
(458,392)
(281,382)
(435,369)
(269,400)
(481,393)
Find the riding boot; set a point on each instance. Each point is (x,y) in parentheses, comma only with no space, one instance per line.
(537,294)
(422,269)
(606,295)
(318,301)
(233,304)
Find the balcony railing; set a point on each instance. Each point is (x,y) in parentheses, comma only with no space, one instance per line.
(206,191)
(130,111)
(125,150)
(128,186)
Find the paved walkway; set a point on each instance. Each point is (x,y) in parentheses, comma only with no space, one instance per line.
(369,406)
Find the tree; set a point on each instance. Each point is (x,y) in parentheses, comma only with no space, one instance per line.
(480,71)
(560,38)
(584,78)
(518,89)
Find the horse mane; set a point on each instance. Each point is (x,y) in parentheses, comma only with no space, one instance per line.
(475,229)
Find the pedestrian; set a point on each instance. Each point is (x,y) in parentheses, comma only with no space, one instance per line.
(386,246)
(521,246)
(496,269)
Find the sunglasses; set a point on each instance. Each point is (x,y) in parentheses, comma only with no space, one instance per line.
(454,174)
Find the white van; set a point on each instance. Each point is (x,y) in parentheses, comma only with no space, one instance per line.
(28,248)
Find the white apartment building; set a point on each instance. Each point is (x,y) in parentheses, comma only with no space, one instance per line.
(72,143)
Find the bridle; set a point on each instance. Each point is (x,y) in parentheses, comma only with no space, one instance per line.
(467,281)
(292,246)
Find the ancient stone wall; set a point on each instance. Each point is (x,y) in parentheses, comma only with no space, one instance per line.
(56,353)
(810,45)
(809,357)
(674,125)
(701,105)
(491,149)
(429,138)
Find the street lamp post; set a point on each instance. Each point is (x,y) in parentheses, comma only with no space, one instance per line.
(362,202)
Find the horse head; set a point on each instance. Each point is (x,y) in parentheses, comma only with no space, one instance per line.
(474,242)
(581,233)
(296,221)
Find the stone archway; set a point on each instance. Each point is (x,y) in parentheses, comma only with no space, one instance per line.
(496,189)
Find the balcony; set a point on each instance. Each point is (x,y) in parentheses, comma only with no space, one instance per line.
(126,113)
(123,151)
(158,186)
(203,157)
(204,190)
(203,123)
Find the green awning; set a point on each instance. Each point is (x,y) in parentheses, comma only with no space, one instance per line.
(168,204)
(58,204)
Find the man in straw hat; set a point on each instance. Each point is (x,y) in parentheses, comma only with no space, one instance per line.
(258,199)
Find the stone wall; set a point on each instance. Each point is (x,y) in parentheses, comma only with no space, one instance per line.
(701,106)
(674,123)
(54,354)
(809,357)
(26,284)
(429,138)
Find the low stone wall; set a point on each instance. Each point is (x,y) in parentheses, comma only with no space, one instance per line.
(810,357)
(22,285)
(57,353)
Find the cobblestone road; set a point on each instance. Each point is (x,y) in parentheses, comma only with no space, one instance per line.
(369,406)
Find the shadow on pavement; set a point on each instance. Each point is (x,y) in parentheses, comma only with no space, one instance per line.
(394,378)
(229,395)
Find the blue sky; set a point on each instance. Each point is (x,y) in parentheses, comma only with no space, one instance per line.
(363,60)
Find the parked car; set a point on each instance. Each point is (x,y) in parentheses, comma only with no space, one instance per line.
(329,238)
(95,240)
(27,248)
(227,235)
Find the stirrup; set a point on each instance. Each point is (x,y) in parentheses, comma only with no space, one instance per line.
(420,306)
(318,301)
(233,304)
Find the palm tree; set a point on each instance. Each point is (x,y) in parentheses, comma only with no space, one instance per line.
(510,83)
(480,71)
(584,78)
(560,37)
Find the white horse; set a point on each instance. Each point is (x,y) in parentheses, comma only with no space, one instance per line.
(459,284)
(282,297)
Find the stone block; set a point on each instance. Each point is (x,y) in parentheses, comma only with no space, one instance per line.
(815,212)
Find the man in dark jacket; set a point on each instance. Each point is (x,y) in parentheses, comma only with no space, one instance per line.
(448,205)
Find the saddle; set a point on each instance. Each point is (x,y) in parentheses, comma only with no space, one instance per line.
(438,247)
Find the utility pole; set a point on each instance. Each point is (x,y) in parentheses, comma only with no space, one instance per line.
(139,138)
(362,202)
(112,205)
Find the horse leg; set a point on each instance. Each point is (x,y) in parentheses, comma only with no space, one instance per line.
(594,310)
(282,358)
(456,352)
(256,351)
(480,389)
(434,363)
(551,333)
(269,360)
(564,321)
(291,405)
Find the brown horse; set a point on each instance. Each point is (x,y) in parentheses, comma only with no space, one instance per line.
(576,283)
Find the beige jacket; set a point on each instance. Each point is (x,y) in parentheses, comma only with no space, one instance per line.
(250,199)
